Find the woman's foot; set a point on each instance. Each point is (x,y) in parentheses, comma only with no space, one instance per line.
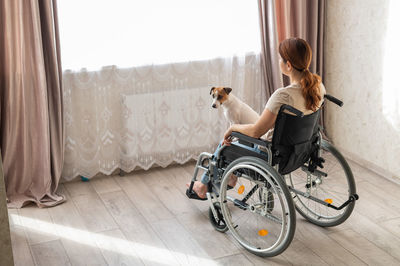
(200,189)
(232,181)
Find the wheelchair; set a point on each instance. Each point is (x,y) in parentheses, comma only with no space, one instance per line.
(298,171)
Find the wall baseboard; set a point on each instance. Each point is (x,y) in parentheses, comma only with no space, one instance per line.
(370,166)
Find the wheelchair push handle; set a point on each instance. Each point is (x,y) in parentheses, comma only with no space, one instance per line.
(333,99)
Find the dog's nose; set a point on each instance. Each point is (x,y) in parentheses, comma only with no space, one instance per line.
(214,105)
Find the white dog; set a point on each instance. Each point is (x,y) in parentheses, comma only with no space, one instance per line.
(236,111)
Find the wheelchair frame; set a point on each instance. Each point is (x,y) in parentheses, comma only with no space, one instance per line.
(212,165)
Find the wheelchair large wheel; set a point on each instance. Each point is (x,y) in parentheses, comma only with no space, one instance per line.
(334,184)
(258,211)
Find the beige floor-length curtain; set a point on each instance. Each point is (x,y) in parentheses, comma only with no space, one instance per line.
(31,118)
(269,46)
(303,19)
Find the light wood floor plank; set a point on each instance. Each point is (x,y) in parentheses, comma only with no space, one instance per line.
(79,243)
(180,176)
(184,247)
(377,235)
(20,247)
(146,218)
(320,243)
(13,217)
(50,253)
(362,248)
(260,261)
(137,230)
(143,197)
(238,259)
(117,250)
(79,188)
(370,205)
(105,184)
(35,221)
(94,213)
(393,226)
(214,243)
(299,253)
(174,200)
(384,194)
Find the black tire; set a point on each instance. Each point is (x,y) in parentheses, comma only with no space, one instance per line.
(337,187)
(219,225)
(265,229)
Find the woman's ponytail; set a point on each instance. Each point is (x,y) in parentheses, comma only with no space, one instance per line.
(298,52)
(310,84)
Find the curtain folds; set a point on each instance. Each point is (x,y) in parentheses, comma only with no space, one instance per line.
(31,109)
(272,75)
(304,19)
(282,19)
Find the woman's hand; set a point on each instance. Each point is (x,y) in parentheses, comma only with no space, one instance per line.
(227,137)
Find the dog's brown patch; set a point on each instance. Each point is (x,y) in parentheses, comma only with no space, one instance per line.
(221,93)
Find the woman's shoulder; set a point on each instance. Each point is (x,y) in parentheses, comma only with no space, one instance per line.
(322,88)
(279,97)
(283,92)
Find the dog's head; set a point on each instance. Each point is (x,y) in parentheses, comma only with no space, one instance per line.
(219,95)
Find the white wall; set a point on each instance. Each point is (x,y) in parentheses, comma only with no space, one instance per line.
(361,70)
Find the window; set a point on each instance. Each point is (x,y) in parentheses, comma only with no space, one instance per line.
(127,33)
(391,92)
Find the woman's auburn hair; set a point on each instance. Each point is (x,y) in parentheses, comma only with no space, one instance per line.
(298,52)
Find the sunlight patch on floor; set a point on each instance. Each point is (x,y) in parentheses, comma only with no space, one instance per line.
(117,245)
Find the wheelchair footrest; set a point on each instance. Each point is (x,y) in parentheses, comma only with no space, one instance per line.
(193,195)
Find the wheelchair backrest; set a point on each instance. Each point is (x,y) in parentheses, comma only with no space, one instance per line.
(294,138)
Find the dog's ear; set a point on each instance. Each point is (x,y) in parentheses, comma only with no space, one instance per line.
(227,90)
(212,90)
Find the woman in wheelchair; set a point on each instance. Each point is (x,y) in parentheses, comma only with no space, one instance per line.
(254,186)
(305,93)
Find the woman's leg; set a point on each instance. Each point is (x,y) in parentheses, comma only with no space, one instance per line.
(255,149)
(205,178)
(200,187)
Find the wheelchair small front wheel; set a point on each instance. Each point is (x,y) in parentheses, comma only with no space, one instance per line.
(258,211)
(217,222)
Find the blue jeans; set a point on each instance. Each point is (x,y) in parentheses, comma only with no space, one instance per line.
(205,178)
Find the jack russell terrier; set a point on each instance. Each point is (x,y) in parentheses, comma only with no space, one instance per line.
(236,111)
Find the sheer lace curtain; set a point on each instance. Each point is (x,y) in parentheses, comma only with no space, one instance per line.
(157,114)
(143,95)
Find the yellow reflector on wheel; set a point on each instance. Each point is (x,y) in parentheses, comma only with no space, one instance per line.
(241,189)
(263,232)
(329,201)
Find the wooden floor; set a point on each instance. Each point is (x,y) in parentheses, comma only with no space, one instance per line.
(144,218)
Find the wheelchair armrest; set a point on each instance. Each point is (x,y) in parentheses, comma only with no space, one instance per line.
(251,140)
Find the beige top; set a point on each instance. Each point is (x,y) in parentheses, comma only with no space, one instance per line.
(290,95)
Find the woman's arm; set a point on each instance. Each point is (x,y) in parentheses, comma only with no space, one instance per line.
(262,125)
